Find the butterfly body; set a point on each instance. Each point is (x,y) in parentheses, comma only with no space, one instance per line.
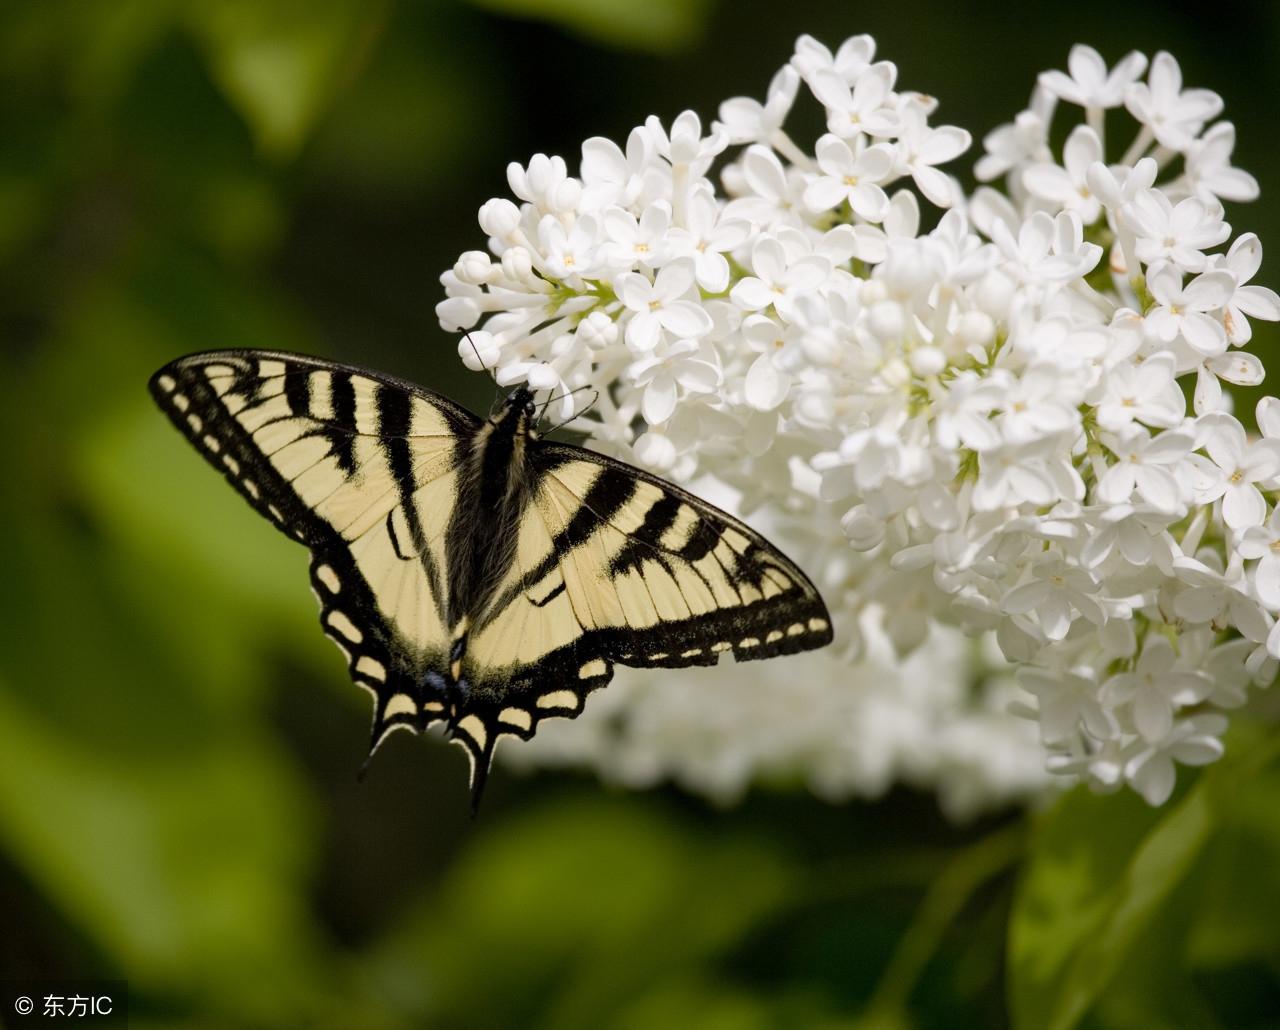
(494,486)
(471,572)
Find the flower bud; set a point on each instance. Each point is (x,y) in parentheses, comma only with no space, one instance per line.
(473,267)
(517,265)
(896,372)
(886,321)
(598,330)
(543,377)
(499,218)
(479,350)
(862,528)
(975,329)
(457,313)
(927,361)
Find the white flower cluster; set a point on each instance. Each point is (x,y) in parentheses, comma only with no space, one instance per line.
(981,424)
(843,730)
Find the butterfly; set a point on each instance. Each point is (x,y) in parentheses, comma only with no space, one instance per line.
(471,572)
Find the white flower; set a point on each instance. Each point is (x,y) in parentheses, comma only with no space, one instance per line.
(598,331)
(1193,741)
(1209,167)
(921,148)
(769,378)
(866,108)
(1090,84)
(1157,688)
(1018,143)
(662,374)
(1138,535)
(1177,233)
(1040,403)
(611,177)
(1235,367)
(686,148)
(770,194)
(748,121)
(1219,599)
(1146,392)
(545,183)
(1047,250)
(1243,260)
(705,238)
(1263,543)
(852,57)
(632,241)
(1146,465)
(1066,186)
(963,414)
(1116,187)
(1182,312)
(901,222)
(661,305)
(1068,700)
(479,351)
(1240,467)
(1057,593)
(849,177)
(1014,474)
(1173,115)
(568,252)
(777,281)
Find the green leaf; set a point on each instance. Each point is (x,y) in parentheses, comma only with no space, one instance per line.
(182,871)
(659,26)
(282,62)
(1099,872)
(1236,914)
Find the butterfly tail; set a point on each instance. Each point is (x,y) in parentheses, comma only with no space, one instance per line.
(477,738)
(479,777)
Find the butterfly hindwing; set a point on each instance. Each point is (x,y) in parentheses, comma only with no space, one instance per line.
(347,462)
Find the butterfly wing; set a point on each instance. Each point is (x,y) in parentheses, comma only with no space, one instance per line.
(361,468)
(614,565)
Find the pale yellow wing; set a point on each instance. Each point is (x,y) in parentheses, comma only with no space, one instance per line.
(360,467)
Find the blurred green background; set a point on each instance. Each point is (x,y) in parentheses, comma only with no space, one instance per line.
(178,803)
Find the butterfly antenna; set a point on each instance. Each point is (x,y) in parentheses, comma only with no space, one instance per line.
(476,351)
(595,396)
(492,374)
(552,397)
(545,405)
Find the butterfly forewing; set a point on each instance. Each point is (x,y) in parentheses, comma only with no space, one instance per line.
(347,462)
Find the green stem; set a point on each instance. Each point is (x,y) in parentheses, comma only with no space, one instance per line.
(951,891)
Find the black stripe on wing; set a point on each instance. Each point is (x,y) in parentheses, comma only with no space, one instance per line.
(788,621)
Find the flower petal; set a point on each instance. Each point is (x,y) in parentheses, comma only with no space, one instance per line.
(765,386)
